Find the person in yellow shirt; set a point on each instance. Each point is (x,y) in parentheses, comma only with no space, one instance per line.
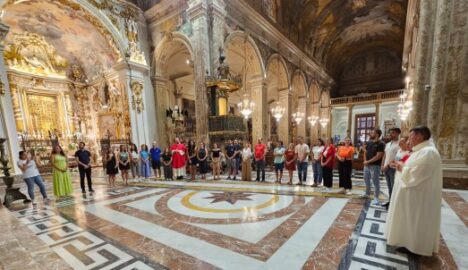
(345,156)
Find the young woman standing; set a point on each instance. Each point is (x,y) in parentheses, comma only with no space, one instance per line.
(328,161)
(63,186)
(317,151)
(202,155)
(192,158)
(31,175)
(216,161)
(290,161)
(134,161)
(145,162)
(124,163)
(246,156)
(166,162)
(345,156)
(111,167)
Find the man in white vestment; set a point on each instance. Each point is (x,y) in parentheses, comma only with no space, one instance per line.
(414,215)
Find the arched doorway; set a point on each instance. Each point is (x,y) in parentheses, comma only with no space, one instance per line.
(299,101)
(243,57)
(175,89)
(278,94)
(60,64)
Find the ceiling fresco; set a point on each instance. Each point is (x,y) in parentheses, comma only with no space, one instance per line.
(335,31)
(66,30)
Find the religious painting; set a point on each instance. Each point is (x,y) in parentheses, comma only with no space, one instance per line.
(107,125)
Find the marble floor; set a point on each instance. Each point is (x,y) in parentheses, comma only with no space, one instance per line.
(216,225)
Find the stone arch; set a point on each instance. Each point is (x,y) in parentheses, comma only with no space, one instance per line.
(299,100)
(166,47)
(175,84)
(278,93)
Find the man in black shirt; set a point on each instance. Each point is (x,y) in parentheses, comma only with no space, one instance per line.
(373,153)
(83,157)
(231,160)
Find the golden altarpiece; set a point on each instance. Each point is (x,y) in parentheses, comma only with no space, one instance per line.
(54,102)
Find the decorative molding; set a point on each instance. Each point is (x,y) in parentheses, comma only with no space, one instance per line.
(137,99)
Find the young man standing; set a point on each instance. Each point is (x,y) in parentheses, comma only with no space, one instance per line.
(391,149)
(302,153)
(231,160)
(373,153)
(155,152)
(83,158)
(237,156)
(260,152)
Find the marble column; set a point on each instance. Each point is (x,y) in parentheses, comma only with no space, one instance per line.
(218,14)
(7,119)
(422,63)
(198,15)
(260,113)
(130,74)
(162,103)
(349,132)
(377,115)
(301,128)
(284,124)
(439,66)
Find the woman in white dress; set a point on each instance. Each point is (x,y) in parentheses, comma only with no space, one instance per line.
(246,163)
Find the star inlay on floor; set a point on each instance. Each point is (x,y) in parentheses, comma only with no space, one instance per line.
(230,197)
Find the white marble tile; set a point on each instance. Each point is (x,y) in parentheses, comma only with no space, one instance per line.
(297,249)
(367,225)
(61,232)
(197,248)
(380,249)
(455,234)
(249,232)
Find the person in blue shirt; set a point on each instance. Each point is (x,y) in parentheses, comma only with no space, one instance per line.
(155,153)
(145,161)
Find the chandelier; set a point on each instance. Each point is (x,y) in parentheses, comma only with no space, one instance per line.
(278,111)
(246,106)
(324,122)
(313,120)
(406,103)
(297,116)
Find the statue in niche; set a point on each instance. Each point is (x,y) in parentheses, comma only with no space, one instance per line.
(184,25)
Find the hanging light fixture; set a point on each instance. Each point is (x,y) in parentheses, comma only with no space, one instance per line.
(324,122)
(297,116)
(313,120)
(246,106)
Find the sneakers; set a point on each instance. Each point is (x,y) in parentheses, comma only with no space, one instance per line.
(314,185)
(375,202)
(348,192)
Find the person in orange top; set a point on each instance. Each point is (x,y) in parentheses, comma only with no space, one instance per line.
(345,155)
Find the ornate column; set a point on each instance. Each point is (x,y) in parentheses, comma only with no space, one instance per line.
(301,128)
(7,119)
(423,50)
(132,77)
(198,15)
(284,124)
(260,113)
(377,115)
(162,103)
(218,15)
(440,55)
(349,132)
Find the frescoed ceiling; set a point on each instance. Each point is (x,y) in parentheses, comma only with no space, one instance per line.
(68,33)
(333,31)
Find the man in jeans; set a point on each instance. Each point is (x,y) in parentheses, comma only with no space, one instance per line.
(260,152)
(373,153)
(83,157)
(302,153)
(391,149)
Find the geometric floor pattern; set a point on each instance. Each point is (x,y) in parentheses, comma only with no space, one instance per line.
(230,225)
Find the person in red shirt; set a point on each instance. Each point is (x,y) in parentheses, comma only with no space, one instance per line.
(259,153)
(328,161)
(178,159)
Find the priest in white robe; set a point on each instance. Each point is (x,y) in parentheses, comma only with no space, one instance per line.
(413,220)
